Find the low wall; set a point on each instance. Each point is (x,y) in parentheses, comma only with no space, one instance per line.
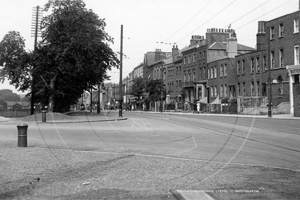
(283,108)
(16,113)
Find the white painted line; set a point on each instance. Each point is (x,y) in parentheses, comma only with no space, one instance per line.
(194,195)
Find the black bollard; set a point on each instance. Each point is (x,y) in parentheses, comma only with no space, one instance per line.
(44,115)
(22,135)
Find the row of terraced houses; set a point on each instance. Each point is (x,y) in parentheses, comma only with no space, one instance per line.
(216,67)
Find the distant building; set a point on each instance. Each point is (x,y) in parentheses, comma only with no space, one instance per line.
(3,105)
(151,58)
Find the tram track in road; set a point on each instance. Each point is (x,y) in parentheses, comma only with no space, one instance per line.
(217,131)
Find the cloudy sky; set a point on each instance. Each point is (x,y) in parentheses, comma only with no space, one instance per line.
(156,24)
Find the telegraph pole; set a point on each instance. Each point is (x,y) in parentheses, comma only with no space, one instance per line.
(161,91)
(36,17)
(120,82)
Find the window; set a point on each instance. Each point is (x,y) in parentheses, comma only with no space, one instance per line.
(216,91)
(272,60)
(221,71)
(184,78)
(252,65)
(189,60)
(257,88)
(200,55)
(280,30)
(252,89)
(212,73)
(212,91)
(225,70)
(239,89)
(215,71)
(257,65)
(296,25)
(265,63)
(296,50)
(272,30)
(194,75)
(184,60)
(208,73)
(179,69)
(203,54)
(238,68)
(243,67)
(225,90)
(221,91)
(280,89)
(264,89)
(281,63)
(194,57)
(244,89)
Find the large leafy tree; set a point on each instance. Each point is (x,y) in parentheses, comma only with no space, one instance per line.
(154,88)
(74,55)
(138,87)
(74,52)
(15,61)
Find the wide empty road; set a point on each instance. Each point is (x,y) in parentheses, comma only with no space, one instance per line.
(211,149)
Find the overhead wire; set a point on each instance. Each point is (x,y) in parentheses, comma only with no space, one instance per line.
(184,24)
(208,20)
(263,15)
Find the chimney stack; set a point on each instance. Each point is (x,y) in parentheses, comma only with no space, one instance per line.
(231,45)
(261,36)
(175,52)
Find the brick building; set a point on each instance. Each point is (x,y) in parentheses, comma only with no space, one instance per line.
(151,58)
(283,41)
(174,78)
(205,64)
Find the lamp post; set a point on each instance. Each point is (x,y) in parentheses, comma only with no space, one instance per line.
(269,78)
(161,91)
(121,66)
(98,100)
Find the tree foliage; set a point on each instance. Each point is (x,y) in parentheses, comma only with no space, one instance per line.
(154,88)
(8,95)
(74,55)
(15,61)
(138,87)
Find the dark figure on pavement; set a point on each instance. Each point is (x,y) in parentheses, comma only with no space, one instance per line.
(195,108)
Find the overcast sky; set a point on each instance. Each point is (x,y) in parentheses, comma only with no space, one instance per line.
(156,24)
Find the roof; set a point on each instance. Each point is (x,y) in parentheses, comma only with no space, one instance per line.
(217,46)
(11,103)
(223,46)
(241,47)
(188,48)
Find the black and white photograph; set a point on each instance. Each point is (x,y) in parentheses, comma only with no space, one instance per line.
(150,99)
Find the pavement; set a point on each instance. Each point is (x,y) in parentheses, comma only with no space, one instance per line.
(277,116)
(103,118)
